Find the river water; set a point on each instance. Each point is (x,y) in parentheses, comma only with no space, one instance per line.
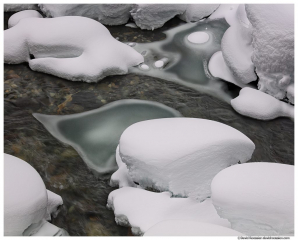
(84,212)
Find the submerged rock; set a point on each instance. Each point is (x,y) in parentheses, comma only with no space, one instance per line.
(74,48)
(181,155)
(257,198)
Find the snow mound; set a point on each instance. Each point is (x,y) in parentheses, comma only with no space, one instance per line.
(236,46)
(273,46)
(198,37)
(26,201)
(257,104)
(189,228)
(152,16)
(181,155)
(257,198)
(19,7)
(108,14)
(141,209)
(195,12)
(121,178)
(74,48)
(218,68)
(15,18)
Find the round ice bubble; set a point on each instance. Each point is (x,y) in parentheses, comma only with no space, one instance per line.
(159,64)
(144,67)
(198,37)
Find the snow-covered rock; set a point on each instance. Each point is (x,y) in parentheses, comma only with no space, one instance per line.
(74,48)
(224,11)
(19,7)
(108,14)
(218,68)
(195,12)
(15,18)
(27,203)
(273,46)
(121,178)
(141,209)
(189,228)
(257,198)
(152,16)
(236,46)
(257,104)
(181,155)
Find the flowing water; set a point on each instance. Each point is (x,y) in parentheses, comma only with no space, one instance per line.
(84,211)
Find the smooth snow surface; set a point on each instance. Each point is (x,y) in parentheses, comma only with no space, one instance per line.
(198,37)
(121,178)
(236,45)
(108,14)
(97,132)
(74,48)
(152,16)
(15,18)
(273,46)
(218,68)
(181,155)
(25,196)
(141,209)
(257,198)
(195,12)
(19,7)
(189,228)
(257,104)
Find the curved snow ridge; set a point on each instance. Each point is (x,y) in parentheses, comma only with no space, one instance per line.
(273,46)
(74,48)
(257,104)
(189,228)
(141,209)
(181,155)
(27,203)
(15,18)
(257,198)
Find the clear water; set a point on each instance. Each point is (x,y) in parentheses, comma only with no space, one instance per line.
(95,134)
(187,61)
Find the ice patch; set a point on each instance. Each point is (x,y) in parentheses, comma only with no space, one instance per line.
(189,228)
(257,104)
(95,134)
(131,25)
(181,155)
(257,198)
(141,209)
(74,48)
(198,37)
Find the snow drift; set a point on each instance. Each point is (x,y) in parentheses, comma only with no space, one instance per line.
(181,155)
(141,209)
(74,48)
(257,198)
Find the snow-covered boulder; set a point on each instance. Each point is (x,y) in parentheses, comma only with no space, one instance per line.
(15,18)
(74,48)
(26,201)
(189,228)
(121,178)
(152,16)
(19,7)
(108,14)
(141,209)
(181,155)
(273,46)
(257,104)
(257,198)
(236,45)
(195,12)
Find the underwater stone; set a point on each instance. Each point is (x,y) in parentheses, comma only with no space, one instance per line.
(95,134)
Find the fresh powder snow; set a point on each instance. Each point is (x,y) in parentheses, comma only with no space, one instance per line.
(257,198)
